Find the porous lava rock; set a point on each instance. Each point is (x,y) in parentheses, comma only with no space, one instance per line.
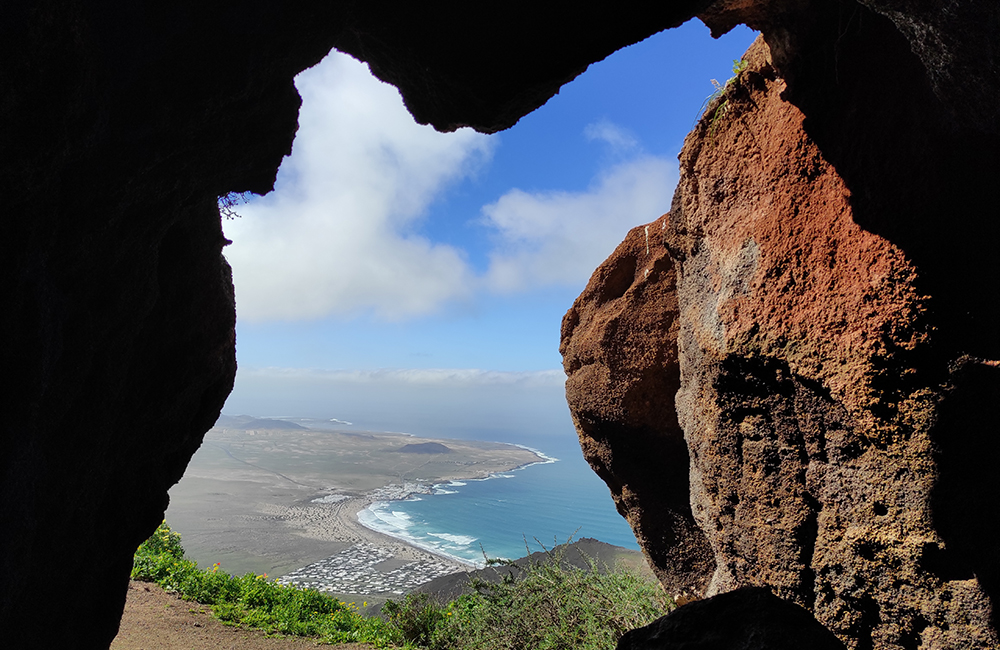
(620,355)
(835,388)
(749,618)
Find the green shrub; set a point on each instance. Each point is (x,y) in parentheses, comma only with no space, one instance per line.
(720,94)
(546,606)
(254,601)
(416,617)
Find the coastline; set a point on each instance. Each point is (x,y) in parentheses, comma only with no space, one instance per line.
(372,564)
(342,524)
(545,459)
(338,517)
(385,496)
(288,503)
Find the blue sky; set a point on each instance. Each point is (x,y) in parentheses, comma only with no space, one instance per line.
(388,248)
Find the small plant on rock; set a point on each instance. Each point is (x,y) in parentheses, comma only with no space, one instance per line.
(229,202)
(721,94)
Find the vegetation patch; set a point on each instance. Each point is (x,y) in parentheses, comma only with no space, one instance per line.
(721,97)
(254,600)
(546,604)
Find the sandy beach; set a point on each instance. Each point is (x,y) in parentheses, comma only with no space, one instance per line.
(372,564)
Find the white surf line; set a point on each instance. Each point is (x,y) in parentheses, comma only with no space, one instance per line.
(380,501)
(368,522)
(545,458)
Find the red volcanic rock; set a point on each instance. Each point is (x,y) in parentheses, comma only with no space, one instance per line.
(827,401)
(813,465)
(620,356)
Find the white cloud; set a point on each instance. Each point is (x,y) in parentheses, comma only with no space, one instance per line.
(550,238)
(338,236)
(619,139)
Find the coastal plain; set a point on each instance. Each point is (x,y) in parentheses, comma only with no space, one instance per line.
(272,497)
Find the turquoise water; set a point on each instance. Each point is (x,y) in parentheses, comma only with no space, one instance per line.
(548,501)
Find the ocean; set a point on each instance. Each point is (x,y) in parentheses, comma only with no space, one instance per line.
(508,515)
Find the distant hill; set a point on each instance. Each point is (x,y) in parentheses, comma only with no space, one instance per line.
(578,554)
(424,448)
(248,423)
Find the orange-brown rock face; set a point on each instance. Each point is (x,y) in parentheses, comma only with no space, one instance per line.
(798,353)
(812,468)
(620,355)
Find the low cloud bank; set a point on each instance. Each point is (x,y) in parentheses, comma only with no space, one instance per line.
(454,377)
(462,403)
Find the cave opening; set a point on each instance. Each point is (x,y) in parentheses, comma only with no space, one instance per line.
(400,279)
(124,123)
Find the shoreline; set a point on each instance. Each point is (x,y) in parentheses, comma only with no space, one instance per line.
(373,564)
(545,459)
(338,522)
(404,494)
(302,523)
(340,517)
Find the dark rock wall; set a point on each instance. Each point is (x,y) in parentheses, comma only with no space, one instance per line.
(486,64)
(118,134)
(120,125)
(755,619)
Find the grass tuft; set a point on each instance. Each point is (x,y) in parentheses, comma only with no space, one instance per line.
(721,96)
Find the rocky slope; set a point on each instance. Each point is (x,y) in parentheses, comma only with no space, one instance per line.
(813,375)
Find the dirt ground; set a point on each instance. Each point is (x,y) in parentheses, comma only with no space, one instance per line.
(156,620)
